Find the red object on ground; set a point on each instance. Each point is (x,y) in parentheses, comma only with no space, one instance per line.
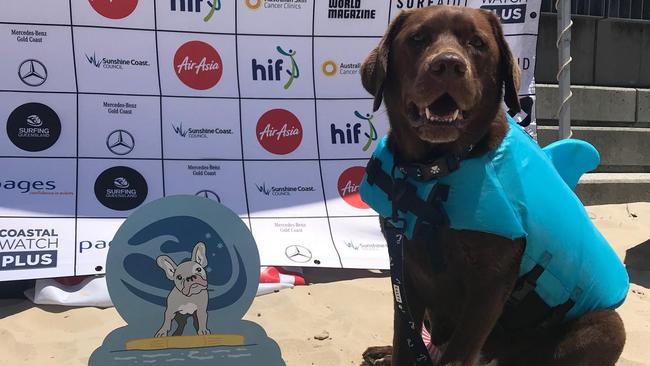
(281,275)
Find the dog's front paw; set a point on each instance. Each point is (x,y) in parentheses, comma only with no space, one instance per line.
(205,331)
(162,333)
(378,356)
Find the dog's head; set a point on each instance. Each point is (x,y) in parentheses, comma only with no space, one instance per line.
(189,277)
(442,72)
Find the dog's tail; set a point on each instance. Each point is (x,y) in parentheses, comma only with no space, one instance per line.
(572,158)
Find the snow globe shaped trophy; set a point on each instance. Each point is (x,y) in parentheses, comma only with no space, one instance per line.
(182,271)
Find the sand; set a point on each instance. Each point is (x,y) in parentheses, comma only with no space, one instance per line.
(352,309)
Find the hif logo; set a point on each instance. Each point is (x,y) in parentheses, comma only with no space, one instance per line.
(273,71)
(352,132)
(348,186)
(195,6)
(114,9)
(279,131)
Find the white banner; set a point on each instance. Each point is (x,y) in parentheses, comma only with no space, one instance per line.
(258,104)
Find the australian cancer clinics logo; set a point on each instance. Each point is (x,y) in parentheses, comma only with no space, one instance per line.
(274,4)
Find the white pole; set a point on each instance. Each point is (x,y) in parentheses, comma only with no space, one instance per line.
(563,43)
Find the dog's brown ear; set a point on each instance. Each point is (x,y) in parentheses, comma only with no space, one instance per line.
(375,67)
(508,68)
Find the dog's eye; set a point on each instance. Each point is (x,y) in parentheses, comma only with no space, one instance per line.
(477,42)
(179,277)
(417,39)
(198,269)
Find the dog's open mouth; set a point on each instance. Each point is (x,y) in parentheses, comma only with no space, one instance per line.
(443,111)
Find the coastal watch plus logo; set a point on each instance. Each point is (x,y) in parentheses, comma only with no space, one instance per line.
(195,6)
(114,9)
(273,70)
(198,65)
(279,131)
(348,186)
(352,132)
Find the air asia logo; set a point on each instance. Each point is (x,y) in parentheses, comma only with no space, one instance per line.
(410,4)
(348,186)
(121,188)
(32,72)
(194,6)
(511,13)
(120,142)
(200,133)
(332,68)
(282,191)
(273,71)
(198,65)
(279,131)
(275,4)
(352,132)
(28,248)
(115,63)
(114,9)
(349,9)
(33,127)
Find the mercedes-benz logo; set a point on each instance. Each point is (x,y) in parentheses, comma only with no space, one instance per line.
(120,142)
(298,253)
(206,193)
(32,72)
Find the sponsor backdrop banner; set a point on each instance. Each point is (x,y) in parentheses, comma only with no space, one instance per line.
(258,104)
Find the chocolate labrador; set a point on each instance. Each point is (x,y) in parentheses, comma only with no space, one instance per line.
(443,73)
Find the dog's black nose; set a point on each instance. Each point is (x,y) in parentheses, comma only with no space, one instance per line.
(448,65)
(190,278)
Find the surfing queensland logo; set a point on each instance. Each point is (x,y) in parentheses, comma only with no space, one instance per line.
(114,9)
(33,127)
(198,65)
(279,131)
(272,71)
(121,188)
(348,186)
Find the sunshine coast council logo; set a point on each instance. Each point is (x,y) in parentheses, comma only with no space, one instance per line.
(199,133)
(194,6)
(198,65)
(114,9)
(115,63)
(283,190)
(274,68)
(279,131)
(348,186)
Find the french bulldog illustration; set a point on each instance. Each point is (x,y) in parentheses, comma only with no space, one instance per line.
(189,297)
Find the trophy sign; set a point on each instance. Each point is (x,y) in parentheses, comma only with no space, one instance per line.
(182,271)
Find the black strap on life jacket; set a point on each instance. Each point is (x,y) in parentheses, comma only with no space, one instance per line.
(430,216)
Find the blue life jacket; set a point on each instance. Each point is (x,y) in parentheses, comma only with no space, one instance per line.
(521,191)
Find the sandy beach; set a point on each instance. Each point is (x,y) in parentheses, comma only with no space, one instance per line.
(354,308)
